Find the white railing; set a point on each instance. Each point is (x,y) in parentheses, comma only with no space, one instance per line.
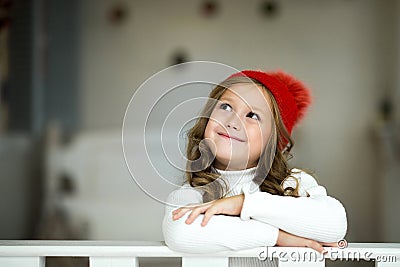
(32,253)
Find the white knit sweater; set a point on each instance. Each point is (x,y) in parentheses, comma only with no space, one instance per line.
(319,217)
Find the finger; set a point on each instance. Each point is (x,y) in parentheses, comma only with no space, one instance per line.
(333,244)
(316,246)
(189,206)
(207,216)
(179,210)
(179,213)
(176,211)
(195,213)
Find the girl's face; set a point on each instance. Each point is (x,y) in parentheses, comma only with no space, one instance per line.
(239,127)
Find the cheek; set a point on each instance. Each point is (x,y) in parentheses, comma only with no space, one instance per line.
(259,138)
(265,134)
(213,123)
(255,145)
(217,117)
(209,129)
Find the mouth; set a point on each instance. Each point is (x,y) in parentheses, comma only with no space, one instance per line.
(224,135)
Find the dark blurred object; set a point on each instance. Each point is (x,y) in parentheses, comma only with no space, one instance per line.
(209,8)
(20,93)
(5,21)
(4,96)
(118,13)
(5,6)
(66,186)
(179,57)
(386,108)
(270,8)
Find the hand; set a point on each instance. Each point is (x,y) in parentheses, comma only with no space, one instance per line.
(289,240)
(228,206)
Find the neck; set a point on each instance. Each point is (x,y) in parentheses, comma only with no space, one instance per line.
(234,166)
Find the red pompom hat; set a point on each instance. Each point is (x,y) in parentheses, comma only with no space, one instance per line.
(291,95)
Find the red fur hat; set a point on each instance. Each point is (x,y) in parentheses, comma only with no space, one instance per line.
(291,95)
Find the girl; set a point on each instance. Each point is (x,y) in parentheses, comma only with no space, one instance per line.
(240,192)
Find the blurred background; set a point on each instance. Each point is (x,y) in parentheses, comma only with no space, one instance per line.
(69,68)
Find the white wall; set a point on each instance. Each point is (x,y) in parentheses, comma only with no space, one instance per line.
(337,47)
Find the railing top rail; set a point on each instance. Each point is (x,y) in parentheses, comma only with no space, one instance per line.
(66,248)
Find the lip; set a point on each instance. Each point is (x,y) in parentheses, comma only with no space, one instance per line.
(224,135)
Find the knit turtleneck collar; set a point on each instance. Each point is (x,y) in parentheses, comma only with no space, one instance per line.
(238,180)
(241,176)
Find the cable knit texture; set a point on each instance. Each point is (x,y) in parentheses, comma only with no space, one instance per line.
(313,215)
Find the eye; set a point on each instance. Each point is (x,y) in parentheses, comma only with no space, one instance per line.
(225,106)
(253,116)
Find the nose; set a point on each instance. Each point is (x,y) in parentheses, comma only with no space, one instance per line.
(233,123)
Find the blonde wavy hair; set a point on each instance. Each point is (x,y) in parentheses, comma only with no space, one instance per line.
(270,176)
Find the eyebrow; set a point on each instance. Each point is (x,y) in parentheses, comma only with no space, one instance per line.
(257,109)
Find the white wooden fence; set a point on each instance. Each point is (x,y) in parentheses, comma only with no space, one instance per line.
(29,253)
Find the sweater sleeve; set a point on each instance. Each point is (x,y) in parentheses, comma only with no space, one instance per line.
(313,215)
(222,232)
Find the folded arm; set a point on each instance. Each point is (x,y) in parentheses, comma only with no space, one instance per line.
(222,233)
(318,216)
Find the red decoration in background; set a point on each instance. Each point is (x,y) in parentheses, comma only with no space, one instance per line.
(209,8)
